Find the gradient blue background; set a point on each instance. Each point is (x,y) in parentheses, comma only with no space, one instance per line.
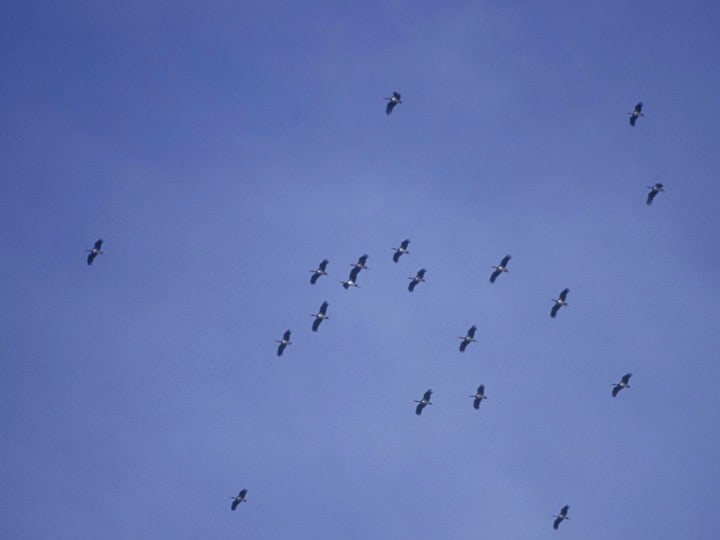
(222,149)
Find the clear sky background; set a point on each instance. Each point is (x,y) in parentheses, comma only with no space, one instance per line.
(223,149)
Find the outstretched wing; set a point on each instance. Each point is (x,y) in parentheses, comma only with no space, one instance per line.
(281,348)
(316,324)
(626,378)
(505,261)
(396,256)
(324,264)
(494,276)
(463,345)
(323,308)
(638,107)
(651,196)
(235,504)
(286,335)
(390,106)
(633,118)
(91,257)
(98,245)
(314,278)
(563,294)
(556,523)
(426,395)
(616,389)
(421,273)
(554,310)
(419,408)
(412,285)
(471,331)
(405,243)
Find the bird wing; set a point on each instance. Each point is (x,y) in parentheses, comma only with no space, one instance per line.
(421,273)
(314,277)
(471,331)
(316,324)
(632,119)
(505,261)
(362,260)
(286,335)
(234,504)
(554,310)
(405,243)
(494,276)
(411,287)
(563,294)
(98,245)
(389,107)
(650,197)
(463,344)
(476,403)
(481,390)
(354,273)
(323,308)
(242,493)
(564,509)
(556,523)
(324,264)
(396,256)
(426,395)
(396,95)
(616,389)
(419,408)
(638,107)
(91,257)
(280,349)
(626,378)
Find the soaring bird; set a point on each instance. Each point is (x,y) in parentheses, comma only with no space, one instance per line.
(95,251)
(351,281)
(479,396)
(360,264)
(319,271)
(559,302)
(320,316)
(392,102)
(284,342)
(468,338)
(401,250)
(423,402)
(239,499)
(561,516)
(624,383)
(636,113)
(499,269)
(654,190)
(420,276)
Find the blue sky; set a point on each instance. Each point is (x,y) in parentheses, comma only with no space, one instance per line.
(222,150)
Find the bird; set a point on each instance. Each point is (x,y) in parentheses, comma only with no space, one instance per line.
(94,252)
(392,102)
(239,499)
(423,402)
(636,113)
(468,338)
(351,281)
(284,342)
(402,250)
(499,269)
(360,264)
(320,316)
(319,271)
(624,383)
(420,276)
(559,302)
(654,190)
(561,516)
(479,396)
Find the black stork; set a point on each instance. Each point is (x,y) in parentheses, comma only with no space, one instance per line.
(654,190)
(360,264)
(468,338)
(499,269)
(351,281)
(419,277)
(284,342)
(637,113)
(624,383)
(239,499)
(392,102)
(561,516)
(402,250)
(319,316)
(423,402)
(559,302)
(319,271)
(95,251)
(479,396)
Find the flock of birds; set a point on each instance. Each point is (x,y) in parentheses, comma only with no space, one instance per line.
(468,338)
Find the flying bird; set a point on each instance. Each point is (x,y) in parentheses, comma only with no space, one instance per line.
(392,102)
(559,302)
(423,402)
(402,250)
(654,190)
(624,383)
(479,396)
(239,499)
(349,282)
(637,113)
(561,516)
(468,338)
(419,277)
(94,252)
(319,317)
(284,342)
(360,264)
(319,271)
(499,269)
